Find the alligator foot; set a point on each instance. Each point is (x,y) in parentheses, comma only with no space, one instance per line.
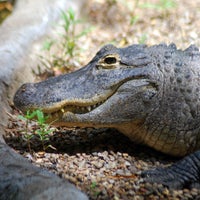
(183,174)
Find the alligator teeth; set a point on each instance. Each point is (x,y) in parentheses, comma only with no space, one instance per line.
(62,110)
(94,106)
(76,109)
(89,108)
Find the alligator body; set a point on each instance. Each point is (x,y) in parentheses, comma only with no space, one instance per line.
(151,94)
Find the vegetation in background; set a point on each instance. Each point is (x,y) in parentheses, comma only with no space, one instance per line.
(142,39)
(68,46)
(163,5)
(134,8)
(65,59)
(42,131)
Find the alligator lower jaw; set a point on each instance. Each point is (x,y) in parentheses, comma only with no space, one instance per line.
(81,107)
(72,109)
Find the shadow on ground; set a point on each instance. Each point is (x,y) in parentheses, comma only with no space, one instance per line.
(87,141)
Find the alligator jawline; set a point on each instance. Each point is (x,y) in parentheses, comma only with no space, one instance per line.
(75,109)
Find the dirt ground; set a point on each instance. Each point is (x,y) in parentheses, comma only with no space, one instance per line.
(103,163)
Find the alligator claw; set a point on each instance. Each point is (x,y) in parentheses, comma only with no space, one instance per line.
(183,174)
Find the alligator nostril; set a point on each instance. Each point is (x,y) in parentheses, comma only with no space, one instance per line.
(23,88)
(24,96)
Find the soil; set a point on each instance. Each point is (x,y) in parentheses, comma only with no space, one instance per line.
(102,162)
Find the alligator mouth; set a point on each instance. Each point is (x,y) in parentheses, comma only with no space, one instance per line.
(79,107)
(75,109)
(56,111)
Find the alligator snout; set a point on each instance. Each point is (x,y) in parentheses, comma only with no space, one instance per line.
(24,97)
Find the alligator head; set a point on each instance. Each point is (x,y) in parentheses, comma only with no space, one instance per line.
(103,93)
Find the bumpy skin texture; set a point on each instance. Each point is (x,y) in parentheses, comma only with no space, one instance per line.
(183,174)
(150,94)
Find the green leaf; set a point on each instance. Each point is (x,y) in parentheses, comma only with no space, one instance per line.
(143,39)
(40,117)
(71,14)
(30,114)
(84,32)
(66,20)
(134,19)
(162,5)
(22,117)
(47,45)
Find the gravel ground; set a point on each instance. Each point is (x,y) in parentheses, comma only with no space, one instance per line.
(102,162)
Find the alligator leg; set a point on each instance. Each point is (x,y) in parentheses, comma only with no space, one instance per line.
(183,174)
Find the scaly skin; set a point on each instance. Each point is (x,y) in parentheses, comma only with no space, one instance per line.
(150,94)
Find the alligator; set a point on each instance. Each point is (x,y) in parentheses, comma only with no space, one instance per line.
(149,93)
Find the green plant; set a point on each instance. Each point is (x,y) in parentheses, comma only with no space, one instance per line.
(131,10)
(43,129)
(94,189)
(27,135)
(134,16)
(67,47)
(161,5)
(70,36)
(48,44)
(134,19)
(142,39)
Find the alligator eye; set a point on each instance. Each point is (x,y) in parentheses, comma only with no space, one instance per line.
(110,60)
